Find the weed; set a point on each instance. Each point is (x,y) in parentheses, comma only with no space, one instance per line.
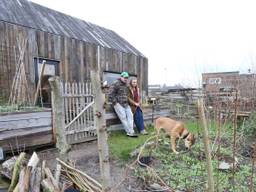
(187,171)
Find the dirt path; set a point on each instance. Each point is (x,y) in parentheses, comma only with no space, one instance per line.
(86,158)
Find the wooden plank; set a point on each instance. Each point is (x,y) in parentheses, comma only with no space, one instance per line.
(62,59)
(73,126)
(77,108)
(115,64)
(82,67)
(23,124)
(24,115)
(89,59)
(69,106)
(88,114)
(23,132)
(120,61)
(84,139)
(32,52)
(57,48)
(104,64)
(74,63)
(29,138)
(83,104)
(41,44)
(66,58)
(77,131)
(38,87)
(66,104)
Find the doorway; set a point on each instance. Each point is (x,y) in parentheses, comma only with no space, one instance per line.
(51,69)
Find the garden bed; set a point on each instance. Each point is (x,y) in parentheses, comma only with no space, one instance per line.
(187,171)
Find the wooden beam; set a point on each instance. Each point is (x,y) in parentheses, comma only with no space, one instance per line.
(206,145)
(39,82)
(58,116)
(100,123)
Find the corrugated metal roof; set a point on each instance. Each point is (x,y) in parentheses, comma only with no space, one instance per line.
(32,15)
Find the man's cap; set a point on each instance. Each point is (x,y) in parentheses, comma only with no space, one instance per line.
(124,74)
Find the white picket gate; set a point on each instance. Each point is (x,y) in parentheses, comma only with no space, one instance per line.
(78,111)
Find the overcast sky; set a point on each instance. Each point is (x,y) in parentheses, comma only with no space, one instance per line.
(181,38)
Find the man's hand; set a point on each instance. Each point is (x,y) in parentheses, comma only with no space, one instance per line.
(137,104)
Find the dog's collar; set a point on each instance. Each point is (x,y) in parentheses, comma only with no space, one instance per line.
(185,136)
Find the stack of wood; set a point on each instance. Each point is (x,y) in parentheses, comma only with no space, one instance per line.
(31,175)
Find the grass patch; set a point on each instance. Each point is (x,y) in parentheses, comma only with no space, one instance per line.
(120,145)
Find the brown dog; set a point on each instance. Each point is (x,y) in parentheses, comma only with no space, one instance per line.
(176,130)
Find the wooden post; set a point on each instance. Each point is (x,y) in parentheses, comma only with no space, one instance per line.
(100,122)
(234,135)
(39,82)
(58,116)
(206,145)
(16,171)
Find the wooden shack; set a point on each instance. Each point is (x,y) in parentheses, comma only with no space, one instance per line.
(31,35)
(70,46)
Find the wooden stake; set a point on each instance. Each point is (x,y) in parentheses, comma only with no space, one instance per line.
(21,187)
(35,180)
(206,145)
(100,121)
(47,185)
(33,161)
(16,171)
(52,179)
(38,87)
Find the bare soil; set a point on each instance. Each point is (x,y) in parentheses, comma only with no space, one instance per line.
(85,156)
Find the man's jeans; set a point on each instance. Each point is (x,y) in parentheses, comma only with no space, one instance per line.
(126,117)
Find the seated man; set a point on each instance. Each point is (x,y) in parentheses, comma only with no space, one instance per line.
(118,95)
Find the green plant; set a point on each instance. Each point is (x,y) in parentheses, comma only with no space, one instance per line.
(187,170)
(250,125)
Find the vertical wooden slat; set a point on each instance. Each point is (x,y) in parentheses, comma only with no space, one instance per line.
(88,101)
(87,112)
(125,62)
(66,59)
(73,110)
(81,105)
(77,109)
(69,108)
(91,99)
(66,104)
(81,51)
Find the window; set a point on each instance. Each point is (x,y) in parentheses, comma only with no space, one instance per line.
(110,77)
(214,81)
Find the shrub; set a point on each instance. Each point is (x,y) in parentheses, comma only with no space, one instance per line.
(250,125)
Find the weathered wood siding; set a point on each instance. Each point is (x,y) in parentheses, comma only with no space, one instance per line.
(76,57)
(25,129)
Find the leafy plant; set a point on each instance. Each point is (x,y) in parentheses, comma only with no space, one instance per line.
(250,125)
(187,171)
